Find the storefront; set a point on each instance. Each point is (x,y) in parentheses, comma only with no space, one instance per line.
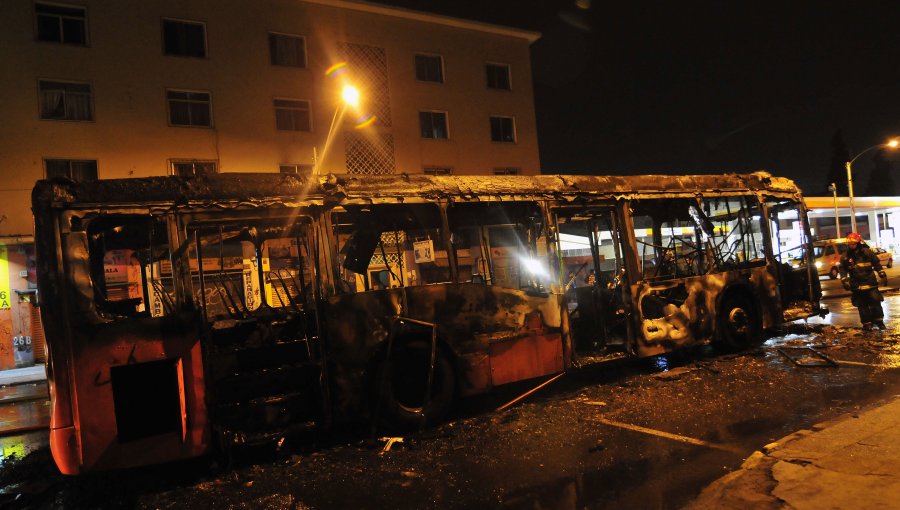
(21,335)
(877,219)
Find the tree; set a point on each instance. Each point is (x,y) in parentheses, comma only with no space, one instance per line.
(881,180)
(837,170)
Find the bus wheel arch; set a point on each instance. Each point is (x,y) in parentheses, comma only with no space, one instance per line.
(738,319)
(401,377)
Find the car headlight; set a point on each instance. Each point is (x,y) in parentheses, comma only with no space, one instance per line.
(818,264)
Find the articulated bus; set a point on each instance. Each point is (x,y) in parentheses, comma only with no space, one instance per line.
(185,315)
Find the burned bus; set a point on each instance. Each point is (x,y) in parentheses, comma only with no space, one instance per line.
(187,314)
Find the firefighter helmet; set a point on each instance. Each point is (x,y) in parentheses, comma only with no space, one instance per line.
(853,237)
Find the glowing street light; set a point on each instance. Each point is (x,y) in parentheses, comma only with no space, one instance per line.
(350,96)
(892,144)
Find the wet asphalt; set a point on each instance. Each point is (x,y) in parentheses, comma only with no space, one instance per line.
(627,434)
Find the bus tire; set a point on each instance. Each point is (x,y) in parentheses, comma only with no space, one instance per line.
(403,377)
(738,324)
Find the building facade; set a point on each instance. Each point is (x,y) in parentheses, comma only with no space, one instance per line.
(97,89)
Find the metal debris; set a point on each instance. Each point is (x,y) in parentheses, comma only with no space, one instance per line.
(389,442)
(806,357)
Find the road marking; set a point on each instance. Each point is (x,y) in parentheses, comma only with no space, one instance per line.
(668,435)
(860,363)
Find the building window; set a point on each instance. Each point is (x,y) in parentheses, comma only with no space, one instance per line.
(291,168)
(184,38)
(61,23)
(433,125)
(188,168)
(76,169)
(507,170)
(292,115)
(498,76)
(287,50)
(189,108)
(66,100)
(437,170)
(503,129)
(430,68)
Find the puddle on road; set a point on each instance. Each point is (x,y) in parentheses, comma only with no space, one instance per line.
(16,447)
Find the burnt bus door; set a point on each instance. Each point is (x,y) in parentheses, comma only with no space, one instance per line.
(593,279)
(792,259)
(255,281)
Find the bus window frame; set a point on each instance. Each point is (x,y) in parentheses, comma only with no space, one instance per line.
(194,247)
(97,251)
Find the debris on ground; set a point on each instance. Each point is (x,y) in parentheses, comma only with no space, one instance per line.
(675,373)
(389,442)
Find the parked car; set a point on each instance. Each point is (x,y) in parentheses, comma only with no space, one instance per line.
(828,256)
(885,258)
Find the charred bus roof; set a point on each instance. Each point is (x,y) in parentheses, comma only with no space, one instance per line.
(260,189)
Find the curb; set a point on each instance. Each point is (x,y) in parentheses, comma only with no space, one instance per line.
(754,483)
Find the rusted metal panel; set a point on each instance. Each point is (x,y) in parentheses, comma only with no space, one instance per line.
(525,357)
(474,373)
(128,344)
(470,317)
(259,189)
(681,312)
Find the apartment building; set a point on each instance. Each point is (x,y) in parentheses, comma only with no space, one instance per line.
(99,89)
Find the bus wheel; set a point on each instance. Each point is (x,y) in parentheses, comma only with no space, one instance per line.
(738,322)
(404,378)
(833,273)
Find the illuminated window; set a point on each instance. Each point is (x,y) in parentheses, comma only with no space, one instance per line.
(430,68)
(287,50)
(66,100)
(184,38)
(76,169)
(292,115)
(503,129)
(498,76)
(433,125)
(61,23)
(189,108)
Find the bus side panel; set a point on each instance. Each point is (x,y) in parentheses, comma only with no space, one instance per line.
(55,317)
(140,396)
(496,335)
(681,312)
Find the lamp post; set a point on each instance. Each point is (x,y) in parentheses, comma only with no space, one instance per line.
(837,219)
(892,144)
(349,97)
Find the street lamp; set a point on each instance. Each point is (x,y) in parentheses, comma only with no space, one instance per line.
(837,219)
(349,97)
(892,144)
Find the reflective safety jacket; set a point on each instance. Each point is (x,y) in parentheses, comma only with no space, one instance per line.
(861,266)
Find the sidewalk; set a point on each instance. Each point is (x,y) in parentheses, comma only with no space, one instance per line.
(23,375)
(850,462)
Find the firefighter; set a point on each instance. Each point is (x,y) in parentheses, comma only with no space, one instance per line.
(858,267)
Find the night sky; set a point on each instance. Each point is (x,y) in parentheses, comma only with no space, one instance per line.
(702,87)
